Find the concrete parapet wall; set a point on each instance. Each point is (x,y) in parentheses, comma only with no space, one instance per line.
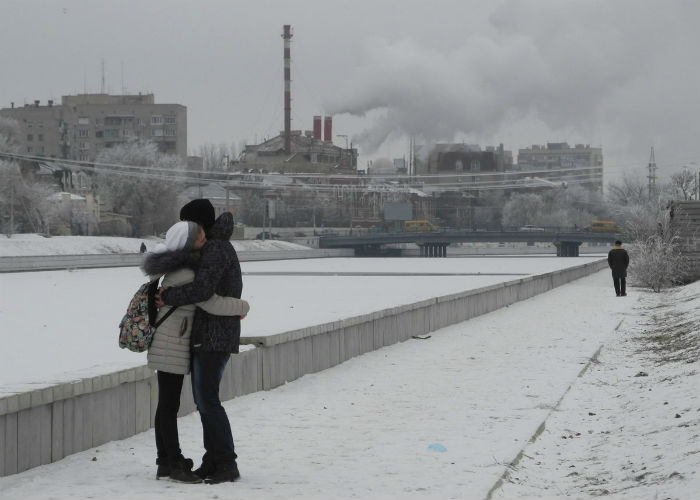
(47,424)
(55,262)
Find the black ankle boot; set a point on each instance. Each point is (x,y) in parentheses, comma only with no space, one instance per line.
(164,466)
(225,474)
(181,472)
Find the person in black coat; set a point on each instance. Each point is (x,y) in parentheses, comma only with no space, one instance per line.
(214,338)
(618,260)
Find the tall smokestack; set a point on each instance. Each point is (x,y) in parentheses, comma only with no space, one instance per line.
(328,128)
(317,127)
(287,36)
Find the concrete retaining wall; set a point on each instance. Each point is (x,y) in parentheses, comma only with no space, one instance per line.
(48,424)
(56,262)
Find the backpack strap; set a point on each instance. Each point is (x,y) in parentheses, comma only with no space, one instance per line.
(152,309)
(165,316)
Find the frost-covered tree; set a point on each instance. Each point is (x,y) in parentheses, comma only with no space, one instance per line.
(522,209)
(683,184)
(144,194)
(216,156)
(656,260)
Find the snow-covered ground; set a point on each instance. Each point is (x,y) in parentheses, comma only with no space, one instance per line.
(444,417)
(76,313)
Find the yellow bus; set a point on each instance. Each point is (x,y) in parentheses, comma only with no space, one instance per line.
(418,225)
(603,226)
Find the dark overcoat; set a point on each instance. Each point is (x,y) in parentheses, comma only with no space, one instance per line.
(618,260)
(219,272)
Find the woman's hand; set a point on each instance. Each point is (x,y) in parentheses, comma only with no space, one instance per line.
(159,299)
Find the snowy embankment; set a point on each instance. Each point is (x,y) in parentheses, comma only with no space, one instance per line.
(444,417)
(630,427)
(34,244)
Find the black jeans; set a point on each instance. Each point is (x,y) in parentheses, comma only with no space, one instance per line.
(207,369)
(619,282)
(167,439)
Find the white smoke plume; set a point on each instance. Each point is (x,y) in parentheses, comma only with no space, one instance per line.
(595,68)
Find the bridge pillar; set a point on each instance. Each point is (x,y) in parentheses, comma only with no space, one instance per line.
(567,248)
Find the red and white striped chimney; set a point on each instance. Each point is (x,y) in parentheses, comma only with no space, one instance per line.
(287,36)
(317,127)
(328,129)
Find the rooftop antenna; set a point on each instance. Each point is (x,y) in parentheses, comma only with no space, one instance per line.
(652,173)
(123,86)
(102,84)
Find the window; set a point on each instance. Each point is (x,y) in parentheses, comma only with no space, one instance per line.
(171,132)
(83,157)
(113,120)
(156,120)
(476,166)
(157,132)
(111,132)
(99,134)
(84,145)
(40,137)
(126,132)
(30,137)
(83,132)
(139,121)
(170,120)
(29,149)
(83,120)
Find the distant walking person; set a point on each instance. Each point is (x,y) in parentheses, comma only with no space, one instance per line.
(143,247)
(618,260)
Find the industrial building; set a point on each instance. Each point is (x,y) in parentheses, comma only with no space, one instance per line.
(308,152)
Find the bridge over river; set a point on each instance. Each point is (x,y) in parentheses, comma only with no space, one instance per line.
(434,243)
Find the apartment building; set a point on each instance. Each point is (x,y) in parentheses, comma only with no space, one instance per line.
(557,155)
(84,124)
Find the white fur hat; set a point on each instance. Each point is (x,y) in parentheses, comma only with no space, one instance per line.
(180,236)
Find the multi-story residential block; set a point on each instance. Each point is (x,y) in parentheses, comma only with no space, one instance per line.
(557,155)
(558,162)
(84,124)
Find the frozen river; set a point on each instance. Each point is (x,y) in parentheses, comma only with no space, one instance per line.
(62,325)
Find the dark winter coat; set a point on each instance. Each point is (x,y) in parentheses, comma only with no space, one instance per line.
(170,348)
(219,272)
(618,260)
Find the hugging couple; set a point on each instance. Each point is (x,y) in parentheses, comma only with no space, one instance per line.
(202,282)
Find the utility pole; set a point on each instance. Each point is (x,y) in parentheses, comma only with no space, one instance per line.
(652,173)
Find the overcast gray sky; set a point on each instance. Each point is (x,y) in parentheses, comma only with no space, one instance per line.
(620,74)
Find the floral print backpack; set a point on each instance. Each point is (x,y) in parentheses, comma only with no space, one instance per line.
(138,325)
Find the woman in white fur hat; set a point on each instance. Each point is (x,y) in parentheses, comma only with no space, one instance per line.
(176,260)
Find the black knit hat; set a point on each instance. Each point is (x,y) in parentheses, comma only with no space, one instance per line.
(200,211)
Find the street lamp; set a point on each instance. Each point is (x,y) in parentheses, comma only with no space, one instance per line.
(346,143)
